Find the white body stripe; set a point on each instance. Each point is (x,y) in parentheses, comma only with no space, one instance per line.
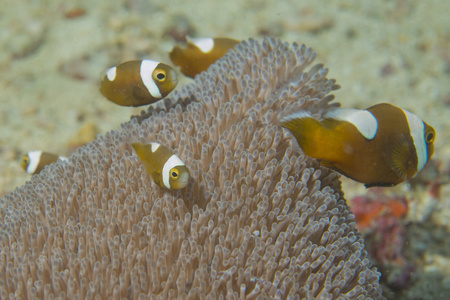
(172,162)
(111,73)
(204,44)
(146,72)
(417,132)
(364,120)
(155,147)
(35,158)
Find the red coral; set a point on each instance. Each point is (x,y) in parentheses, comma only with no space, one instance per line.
(368,209)
(379,217)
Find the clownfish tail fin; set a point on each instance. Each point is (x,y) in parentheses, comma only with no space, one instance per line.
(176,55)
(306,129)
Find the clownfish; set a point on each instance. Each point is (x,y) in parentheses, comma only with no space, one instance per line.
(166,169)
(138,82)
(380,146)
(34,161)
(200,53)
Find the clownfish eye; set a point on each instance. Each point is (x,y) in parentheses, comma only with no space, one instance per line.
(174,173)
(161,75)
(430,137)
(25,162)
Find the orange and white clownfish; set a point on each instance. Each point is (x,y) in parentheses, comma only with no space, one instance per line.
(34,161)
(200,53)
(166,169)
(138,82)
(380,146)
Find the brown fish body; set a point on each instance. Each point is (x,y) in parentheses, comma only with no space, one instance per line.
(34,161)
(138,82)
(381,146)
(166,169)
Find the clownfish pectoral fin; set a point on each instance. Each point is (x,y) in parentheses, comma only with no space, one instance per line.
(400,159)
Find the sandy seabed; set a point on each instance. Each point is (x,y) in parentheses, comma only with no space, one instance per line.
(53,53)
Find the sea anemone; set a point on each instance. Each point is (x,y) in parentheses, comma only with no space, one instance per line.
(257,218)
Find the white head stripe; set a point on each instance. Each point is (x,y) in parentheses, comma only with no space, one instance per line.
(62,158)
(35,158)
(147,68)
(155,147)
(363,120)
(111,73)
(204,44)
(172,162)
(417,132)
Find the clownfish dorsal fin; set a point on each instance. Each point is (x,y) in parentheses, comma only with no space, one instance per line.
(399,159)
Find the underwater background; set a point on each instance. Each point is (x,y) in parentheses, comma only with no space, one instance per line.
(53,53)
